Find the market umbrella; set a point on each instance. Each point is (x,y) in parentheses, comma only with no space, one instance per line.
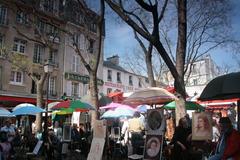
(119,112)
(222,87)
(150,96)
(74,104)
(23,105)
(65,111)
(4,112)
(189,106)
(27,110)
(114,105)
(143,108)
(50,105)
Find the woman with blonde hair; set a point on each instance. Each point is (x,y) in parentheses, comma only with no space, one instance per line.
(203,127)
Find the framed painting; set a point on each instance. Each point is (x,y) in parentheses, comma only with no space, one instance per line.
(153,145)
(202,126)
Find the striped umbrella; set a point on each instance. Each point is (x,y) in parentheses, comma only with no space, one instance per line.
(150,96)
(73,104)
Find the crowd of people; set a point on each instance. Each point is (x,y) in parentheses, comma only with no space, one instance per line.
(27,137)
(223,143)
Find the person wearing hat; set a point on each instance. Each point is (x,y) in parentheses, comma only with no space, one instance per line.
(228,147)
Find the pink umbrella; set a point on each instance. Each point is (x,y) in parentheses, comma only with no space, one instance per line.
(117,105)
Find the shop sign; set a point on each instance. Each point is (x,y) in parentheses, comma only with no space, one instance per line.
(81,78)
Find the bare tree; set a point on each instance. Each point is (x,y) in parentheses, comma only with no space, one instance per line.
(91,63)
(153,36)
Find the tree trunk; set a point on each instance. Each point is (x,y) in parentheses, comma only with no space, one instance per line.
(94,95)
(180,59)
(148,59)
(39,104)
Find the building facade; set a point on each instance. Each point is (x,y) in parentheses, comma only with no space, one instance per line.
(203,71)
(117,78)
(18,35)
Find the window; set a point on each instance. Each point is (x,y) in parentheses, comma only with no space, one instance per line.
(22,17)
(52,86)
(91,46)
(19,45)
(50,5)
(52,30)
(194,69)
(93,27)
(3,15)
(75,63)
(1,45)
(76,39)
(16,77)
(146,80)
(118,77)
(109,75)
(80,18)
(130,81)
(38,54)
(139,83)
(195,81)
(109,90)
(75,89)
(53,57)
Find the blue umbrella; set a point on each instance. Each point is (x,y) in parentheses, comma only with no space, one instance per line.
(143,108)
(27,110)
(4,112)
(119,112)
(23,105)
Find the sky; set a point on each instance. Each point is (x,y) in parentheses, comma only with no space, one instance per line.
(120,40)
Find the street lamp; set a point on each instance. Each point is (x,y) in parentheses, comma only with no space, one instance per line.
(48,69)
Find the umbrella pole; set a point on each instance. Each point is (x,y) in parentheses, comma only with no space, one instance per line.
(238,115)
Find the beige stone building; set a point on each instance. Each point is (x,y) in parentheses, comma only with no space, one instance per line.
(53,19)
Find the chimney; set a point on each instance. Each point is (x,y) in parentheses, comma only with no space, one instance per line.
(114,59)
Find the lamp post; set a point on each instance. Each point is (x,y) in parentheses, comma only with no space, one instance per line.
(48,69)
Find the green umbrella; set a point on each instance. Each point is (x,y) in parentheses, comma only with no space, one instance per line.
(74,104)
(189,105)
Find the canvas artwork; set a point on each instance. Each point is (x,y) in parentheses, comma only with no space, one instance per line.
(153,146)
(155,122)
(96,150)
(99,129)
(66,132)
(202,126)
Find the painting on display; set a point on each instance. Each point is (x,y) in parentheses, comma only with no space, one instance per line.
(202,126)
(96,150)
(153,145)
(67,132)
(99,129)
(155,121)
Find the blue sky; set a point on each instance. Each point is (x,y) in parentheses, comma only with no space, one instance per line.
(120,40)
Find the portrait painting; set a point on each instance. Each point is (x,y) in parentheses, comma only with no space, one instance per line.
(154,119)
(202,126)
(153,145)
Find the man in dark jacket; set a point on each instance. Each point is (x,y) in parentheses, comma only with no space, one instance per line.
(229,143)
